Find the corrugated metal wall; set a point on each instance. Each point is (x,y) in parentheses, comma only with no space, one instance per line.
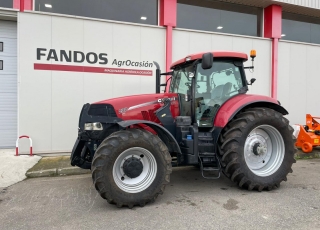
(306,3)
(8,84)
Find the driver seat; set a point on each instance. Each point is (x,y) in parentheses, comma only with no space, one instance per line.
(221,91)
(226,89)
(217,92)
(217,95)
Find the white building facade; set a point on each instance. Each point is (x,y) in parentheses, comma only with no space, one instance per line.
(55,57)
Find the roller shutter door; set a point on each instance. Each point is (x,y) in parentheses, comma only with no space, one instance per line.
(8,83)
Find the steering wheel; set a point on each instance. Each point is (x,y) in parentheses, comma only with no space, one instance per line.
(189,85)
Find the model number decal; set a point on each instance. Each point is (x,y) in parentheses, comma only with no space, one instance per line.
(160,100)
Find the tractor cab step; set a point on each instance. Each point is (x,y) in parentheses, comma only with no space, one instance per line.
(205,143)
(207,154)
(209,163)
(210,169)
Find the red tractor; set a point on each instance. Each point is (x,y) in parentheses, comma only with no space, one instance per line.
(204,118)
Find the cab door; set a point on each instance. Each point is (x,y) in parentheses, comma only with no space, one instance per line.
(181,84)
(214,87)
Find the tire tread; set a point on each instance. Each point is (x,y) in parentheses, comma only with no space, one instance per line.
(230,148)
(102,155)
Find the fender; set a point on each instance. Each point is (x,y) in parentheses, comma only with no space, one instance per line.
(235,104)
(163,134)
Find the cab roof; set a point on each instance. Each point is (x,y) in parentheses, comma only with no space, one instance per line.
(226,54)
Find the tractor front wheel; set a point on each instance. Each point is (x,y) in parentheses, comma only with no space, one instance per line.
(131,167)
(257,149)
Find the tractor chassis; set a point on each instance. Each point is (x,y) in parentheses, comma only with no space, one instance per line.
(199,150)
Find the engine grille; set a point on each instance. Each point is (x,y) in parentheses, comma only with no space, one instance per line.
(150,116)
(105,110)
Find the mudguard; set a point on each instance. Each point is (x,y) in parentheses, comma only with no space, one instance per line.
(163,134)
(235,104)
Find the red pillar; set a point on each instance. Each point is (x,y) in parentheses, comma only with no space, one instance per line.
(168,48)
(168,18)
(273,29)
(23,5)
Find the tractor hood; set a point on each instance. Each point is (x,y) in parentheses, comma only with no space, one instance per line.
(142,107)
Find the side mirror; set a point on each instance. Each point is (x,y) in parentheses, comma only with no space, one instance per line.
(207,61)
(252,80)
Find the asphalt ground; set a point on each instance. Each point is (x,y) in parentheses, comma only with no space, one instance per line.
(189,202)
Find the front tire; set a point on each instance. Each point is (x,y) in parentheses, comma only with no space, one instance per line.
(131,167)
(257,149)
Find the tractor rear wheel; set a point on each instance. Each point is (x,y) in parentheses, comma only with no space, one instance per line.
(257,149)
(131,167)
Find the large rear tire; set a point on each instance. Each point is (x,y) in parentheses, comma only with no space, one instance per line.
(257,149)
(131,167)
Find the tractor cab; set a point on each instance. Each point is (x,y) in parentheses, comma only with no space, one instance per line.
(203,84)
(204,88)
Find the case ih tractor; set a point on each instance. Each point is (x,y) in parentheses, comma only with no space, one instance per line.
(204,118)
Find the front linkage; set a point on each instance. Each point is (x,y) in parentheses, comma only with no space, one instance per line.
(97,121)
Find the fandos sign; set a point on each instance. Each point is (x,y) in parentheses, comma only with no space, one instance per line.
(59,58)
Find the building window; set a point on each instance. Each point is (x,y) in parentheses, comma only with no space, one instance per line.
(219,17)
(1,64)
(137,11)
(6,3)
(300,28)
(1,46)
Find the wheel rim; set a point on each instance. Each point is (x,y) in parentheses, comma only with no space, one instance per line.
(141,181)
(264,150)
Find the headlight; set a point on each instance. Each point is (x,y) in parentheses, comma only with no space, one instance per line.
(93,126)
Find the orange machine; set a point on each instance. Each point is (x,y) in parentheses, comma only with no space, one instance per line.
(309,134)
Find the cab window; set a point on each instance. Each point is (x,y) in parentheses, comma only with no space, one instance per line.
(181,82)
(214,87)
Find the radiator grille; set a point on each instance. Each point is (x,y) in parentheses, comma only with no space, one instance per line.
(145,115)
(105,110)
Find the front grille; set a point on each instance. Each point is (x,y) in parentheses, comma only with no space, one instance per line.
(105,110)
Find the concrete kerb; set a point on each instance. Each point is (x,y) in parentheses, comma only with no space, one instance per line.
(72,171)
(57,172)
(42,173)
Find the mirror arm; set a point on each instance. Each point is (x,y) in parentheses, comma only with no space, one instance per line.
(165,84)
(167,73)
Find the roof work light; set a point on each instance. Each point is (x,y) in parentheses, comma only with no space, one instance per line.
(253,54)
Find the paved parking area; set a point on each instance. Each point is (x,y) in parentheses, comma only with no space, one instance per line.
(189,202)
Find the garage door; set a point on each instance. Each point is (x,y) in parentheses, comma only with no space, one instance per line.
(8,83)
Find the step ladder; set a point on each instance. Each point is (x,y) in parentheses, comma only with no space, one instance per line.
(206,160)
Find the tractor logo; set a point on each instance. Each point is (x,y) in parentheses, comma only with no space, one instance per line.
(160,100)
